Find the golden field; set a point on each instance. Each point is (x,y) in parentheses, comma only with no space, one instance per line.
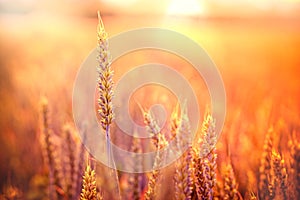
(41,52)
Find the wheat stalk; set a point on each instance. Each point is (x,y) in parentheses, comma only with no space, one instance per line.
(105,82)
(250,196)
(160,142)
(157,137)
(80,165)
(51,156)
(175,122)
(153,129)
(70,166)
(180,179)
(184,173)
(105,73)
(185,131)
(105,89)
(134,179)
(209,137)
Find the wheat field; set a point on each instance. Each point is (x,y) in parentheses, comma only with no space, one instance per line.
(256,157)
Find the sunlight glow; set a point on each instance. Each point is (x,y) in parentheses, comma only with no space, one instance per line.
(187,7)
(121,2)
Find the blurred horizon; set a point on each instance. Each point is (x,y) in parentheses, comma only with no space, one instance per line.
(189,8)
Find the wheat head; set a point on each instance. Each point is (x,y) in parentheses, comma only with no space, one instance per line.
(230,184)
(265,166)
(89,187)
(105,73)
(160,142)
(294,169)
(205,162)
(279,175)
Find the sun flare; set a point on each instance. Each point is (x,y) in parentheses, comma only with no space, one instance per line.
(188,7)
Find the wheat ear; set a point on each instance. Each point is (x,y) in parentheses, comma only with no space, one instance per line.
(160,142)
(80,164)
(279,175)
(70,160)
(50,153)
(230,184)
(184,174)
(105,88)
(10,193)
(105,82)
(185,131)
(250,196)
(271,188)
(175,122)
(295,168)
(89,187)
(179,176)
(205,163)
(265,166)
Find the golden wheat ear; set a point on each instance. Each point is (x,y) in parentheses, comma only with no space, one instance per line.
(89,187)
(105,84)
(206,160)
(179,177)
(105,74)
(175,122)
(279,175)
(105,88)
(184,172)
(230,184)
(250,196)
(160,142)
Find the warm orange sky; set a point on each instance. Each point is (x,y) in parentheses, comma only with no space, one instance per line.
(219,8)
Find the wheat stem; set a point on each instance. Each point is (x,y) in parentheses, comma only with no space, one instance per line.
(105,89)
(51,155)
(135,178)
(70,160)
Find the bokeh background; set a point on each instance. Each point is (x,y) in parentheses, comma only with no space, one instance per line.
(255,44)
